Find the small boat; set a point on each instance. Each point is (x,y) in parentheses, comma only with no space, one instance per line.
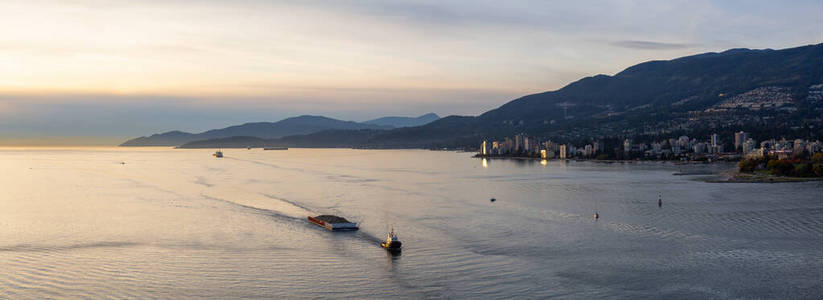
(333,223)
(492,199)
(596,216)
(218,154)
(392,243)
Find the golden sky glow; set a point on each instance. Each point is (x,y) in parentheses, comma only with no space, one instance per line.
(255,49)
(195,65)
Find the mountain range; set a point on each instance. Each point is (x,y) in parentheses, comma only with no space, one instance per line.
(672,93)
(300,125)
(400,122)
(651,98)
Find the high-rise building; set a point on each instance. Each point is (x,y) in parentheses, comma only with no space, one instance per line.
(657,147)
(813,147)
(519,141)
(563,153)
(740,138)
(715,140)
(699,148)
(748,146)
(530,145)
(799,145)
(598,147)
(683,142)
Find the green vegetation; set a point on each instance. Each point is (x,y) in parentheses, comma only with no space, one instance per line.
(748,165)
(784,167)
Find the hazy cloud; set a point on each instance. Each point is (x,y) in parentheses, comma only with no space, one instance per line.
(148,66)
(649,45)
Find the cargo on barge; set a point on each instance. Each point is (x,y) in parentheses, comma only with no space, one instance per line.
(333,223)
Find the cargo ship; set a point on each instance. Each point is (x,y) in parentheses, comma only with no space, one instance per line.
(333,223)
(276,148)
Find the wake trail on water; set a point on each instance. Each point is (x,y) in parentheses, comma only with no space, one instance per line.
(287,211)
(258,210)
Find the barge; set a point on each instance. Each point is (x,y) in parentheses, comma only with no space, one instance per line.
(333,223)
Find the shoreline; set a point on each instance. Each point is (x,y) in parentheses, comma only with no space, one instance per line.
(610,161)
(737,177)
(721,177)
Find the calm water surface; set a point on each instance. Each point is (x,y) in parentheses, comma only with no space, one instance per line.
(182,224)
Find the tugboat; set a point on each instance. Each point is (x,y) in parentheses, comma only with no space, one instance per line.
(218,154)
(392,243)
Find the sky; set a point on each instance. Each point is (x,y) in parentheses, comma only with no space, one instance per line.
(97,72)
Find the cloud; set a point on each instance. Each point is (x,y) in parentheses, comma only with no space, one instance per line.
(649,45)
(124,67)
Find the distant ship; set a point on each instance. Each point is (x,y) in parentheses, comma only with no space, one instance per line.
(333,223)
(276,148)
(218,154)
(392,243)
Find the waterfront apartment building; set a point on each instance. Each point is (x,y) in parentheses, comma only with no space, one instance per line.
(740,138)
(682,147)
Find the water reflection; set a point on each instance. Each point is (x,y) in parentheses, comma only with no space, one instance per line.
(485,163)
(544,162)
(209,226)
(393,255)
(525,162)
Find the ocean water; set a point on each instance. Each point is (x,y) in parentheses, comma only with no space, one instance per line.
(165,223)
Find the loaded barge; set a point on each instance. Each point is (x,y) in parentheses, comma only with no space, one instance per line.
(333,223)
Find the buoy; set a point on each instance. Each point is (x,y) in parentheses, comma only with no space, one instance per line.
(659,200)
(596,216)
(492,199)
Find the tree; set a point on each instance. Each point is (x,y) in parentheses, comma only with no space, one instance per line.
(818,158)
(748,165)
(780,167)
(803,170)
(818,170)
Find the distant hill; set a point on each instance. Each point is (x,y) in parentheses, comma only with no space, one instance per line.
(171,138)
(706,77)
(405,121)
(265,130)
(773,92)
(641,98)
(335,138)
